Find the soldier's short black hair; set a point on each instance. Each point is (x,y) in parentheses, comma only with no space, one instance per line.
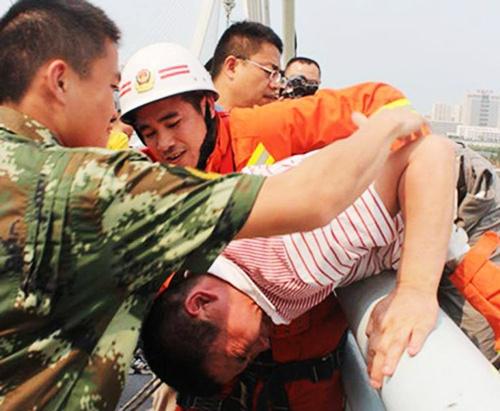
(303,60)
(176,346)
(243,39)
(33,32)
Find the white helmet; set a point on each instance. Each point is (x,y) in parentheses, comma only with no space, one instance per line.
(158,71)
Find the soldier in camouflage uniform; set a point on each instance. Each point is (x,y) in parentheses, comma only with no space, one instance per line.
(87,235)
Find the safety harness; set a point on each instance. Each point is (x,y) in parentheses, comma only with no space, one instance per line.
(270,378)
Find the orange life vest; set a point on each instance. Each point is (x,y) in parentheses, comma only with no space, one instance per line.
(478,279)
(314,335)
(302,375)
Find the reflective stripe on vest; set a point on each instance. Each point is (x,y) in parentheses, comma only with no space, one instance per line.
(402,102)
(260,157)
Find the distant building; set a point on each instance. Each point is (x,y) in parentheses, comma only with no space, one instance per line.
(482,135)
(446,112)
(445,118)
(444,128)
(482,109)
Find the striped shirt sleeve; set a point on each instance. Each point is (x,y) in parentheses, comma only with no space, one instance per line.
(297,271)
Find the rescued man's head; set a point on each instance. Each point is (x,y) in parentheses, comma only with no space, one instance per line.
(202,333)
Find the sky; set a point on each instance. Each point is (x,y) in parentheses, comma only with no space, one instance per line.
(433,50)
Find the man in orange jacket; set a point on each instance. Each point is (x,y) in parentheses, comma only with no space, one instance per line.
(247,136)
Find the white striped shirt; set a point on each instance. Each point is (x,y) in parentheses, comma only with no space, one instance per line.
(293,273)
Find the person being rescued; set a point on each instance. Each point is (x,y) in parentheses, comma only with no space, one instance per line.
(205,329)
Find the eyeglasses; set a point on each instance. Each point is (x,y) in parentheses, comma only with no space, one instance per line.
(276,76)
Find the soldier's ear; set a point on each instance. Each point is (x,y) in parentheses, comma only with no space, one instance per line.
(57,79)
(199,303)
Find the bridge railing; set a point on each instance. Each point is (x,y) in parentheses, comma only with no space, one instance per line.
(450,373)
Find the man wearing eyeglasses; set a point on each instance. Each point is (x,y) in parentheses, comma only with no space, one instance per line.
(246,66)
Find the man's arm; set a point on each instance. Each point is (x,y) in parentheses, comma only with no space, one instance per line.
(408,314)
(298,126)
(323,185)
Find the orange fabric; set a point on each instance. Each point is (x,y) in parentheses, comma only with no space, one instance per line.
(478,279)
(424,131)
(297,126)
(222,160)
(165,285)
(314,334)
(149,153)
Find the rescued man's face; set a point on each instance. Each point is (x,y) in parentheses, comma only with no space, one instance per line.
(173,130)
(244,334)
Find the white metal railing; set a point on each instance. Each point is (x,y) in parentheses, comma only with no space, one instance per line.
(450,373)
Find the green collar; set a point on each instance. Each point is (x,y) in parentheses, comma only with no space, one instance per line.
(21,124)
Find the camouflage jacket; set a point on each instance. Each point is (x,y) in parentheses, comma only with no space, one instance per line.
(86,238)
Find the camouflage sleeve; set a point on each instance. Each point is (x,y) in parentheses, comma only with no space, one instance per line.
(231,221)
(152,217)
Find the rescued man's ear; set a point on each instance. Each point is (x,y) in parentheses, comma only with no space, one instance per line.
(197,302)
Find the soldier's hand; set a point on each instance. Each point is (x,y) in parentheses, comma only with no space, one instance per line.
(403,121)
(401,321)
(410,122)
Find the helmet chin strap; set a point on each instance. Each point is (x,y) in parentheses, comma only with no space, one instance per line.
(208,144)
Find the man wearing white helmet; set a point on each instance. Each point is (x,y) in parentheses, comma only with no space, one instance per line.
(245,72)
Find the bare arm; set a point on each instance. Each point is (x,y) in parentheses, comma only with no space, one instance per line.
(428,214)
(323,185)
(407,315)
